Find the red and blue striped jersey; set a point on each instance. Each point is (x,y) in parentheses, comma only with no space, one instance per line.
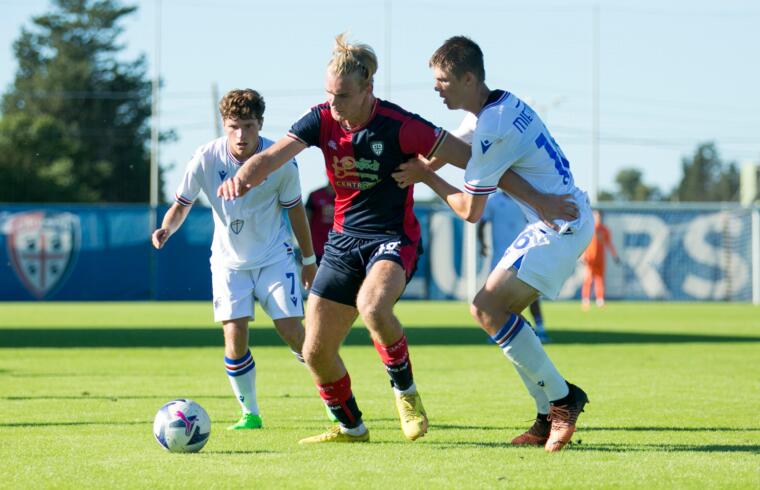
(359,164)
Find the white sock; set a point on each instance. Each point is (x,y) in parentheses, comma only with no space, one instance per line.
(542,402)
(354,431)
(521,346)
(412,389)
(242,375)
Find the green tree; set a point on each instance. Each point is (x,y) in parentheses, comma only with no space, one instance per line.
(707,178)
(632,188)
(75,122)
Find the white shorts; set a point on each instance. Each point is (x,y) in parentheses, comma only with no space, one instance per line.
(544,259)
(276,286)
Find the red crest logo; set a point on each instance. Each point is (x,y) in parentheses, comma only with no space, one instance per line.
(43,247)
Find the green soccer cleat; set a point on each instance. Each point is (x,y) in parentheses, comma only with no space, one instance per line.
(331,416)
(334,434)
(247,421)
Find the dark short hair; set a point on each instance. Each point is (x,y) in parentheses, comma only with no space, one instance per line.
(459,55)
(242,104)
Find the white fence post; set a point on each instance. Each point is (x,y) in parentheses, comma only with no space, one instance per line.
(756,255)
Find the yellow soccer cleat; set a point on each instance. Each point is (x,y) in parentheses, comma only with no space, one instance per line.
(414,421)
(334,434)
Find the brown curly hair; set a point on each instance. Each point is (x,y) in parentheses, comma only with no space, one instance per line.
(242,104)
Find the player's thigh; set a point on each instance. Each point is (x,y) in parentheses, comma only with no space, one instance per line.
(381,288)
(233,293)
(278,290)
(327,324)
(505,291)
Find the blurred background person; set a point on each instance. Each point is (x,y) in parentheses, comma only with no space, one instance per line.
(320,208)
(594,258)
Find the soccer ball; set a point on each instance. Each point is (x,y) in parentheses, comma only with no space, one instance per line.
(182,426)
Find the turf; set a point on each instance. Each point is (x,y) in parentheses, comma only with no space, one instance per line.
(674,389)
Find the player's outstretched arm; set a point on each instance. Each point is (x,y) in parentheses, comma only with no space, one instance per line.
(173,219)
(259,166)
(452,150)
(298,221)
(465,205)
(550,207)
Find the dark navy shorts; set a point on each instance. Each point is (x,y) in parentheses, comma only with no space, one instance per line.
(347,260)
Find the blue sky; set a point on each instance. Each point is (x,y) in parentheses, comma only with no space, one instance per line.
(672,74)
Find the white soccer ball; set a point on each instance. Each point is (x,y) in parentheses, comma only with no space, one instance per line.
(182,426)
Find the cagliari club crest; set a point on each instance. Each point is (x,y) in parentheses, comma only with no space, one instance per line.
(237,226)
(43,247)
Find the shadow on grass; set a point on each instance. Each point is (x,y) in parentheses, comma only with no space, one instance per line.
(212,337)
(582,429)
(111,398)
(613,448)
(238,453)
(671,429)
(73,424)
(685,448)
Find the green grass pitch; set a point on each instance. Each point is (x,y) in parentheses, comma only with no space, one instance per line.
(674,390)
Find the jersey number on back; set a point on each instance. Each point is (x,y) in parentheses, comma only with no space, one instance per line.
(560,162)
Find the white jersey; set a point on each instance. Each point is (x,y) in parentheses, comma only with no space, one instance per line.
(507,221)
(249,232)
(506,134)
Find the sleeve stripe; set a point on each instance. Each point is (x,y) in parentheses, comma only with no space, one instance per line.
(291,204)
(479,190)
(441,138)
(182,201)
(291,135)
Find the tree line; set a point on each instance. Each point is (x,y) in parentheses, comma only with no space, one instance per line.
(705,177)
(74,125)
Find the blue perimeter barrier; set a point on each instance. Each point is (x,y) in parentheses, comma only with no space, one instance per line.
(103,252)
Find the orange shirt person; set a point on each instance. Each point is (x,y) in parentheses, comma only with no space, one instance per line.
(594,257)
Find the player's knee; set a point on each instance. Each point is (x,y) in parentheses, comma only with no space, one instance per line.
(481,309)
(313,356)
(373,312)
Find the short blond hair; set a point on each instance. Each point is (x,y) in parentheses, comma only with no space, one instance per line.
(353,59)
(242,104)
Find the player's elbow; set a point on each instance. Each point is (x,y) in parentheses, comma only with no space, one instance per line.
(473,215)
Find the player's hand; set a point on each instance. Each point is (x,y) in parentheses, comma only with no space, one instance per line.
(410,172)
(159,237)
(307,275)
(557,207)
(232,189)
